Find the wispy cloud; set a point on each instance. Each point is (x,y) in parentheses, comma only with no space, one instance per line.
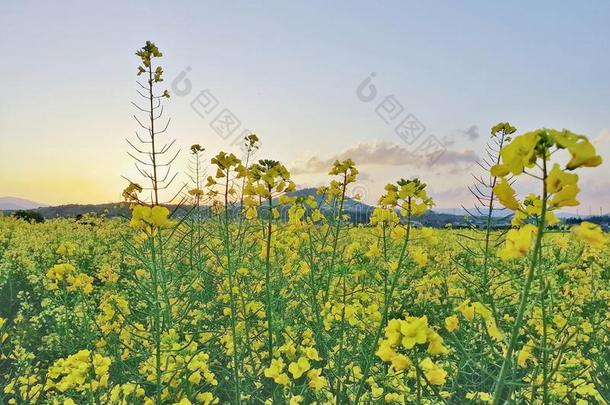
(383,154)
(471,133)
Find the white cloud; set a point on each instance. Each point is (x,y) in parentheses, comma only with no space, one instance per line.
(382,154)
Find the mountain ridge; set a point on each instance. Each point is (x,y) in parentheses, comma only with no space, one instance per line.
(17,203)
(358,212)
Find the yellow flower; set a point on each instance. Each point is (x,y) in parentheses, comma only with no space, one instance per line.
(506,194)
(583,154)
(316,381)
(196,192)
(74,372)
(130,193)
(493,330)
(67,249)
(251,212)
(311,353)
(400,362)
(394,398)
(467,310)
(481,396)
(525,354)
(551,218)
(383,215)
(385,351)
(296,400)
(139,214)
(590,233)
(419,256)
(298,368)
(518,242)
(373,251)
(80,282)
(59,272)
(452,323)
(144,215)
(436,343)
(563,186)
(518,154)
(499,170)
(414,332)
(557,179)
(317,215)
(434,374)
(159,217)
(376,390)
(206,398)
(275,371)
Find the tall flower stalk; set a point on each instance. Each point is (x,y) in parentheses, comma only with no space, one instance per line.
(150,217)
(266,179)
(228,169)
(401,202)
(559,189)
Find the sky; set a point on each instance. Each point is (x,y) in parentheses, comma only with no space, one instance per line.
(314,80)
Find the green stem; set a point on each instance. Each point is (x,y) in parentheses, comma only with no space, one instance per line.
(336,238)
(157,326)
(506,364)
(339,365)
(227,244)
(268,278)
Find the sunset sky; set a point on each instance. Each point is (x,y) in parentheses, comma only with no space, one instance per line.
(290,73)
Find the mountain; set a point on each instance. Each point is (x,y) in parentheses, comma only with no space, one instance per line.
(498,211)
(15,203)
(74,210)
(358,212)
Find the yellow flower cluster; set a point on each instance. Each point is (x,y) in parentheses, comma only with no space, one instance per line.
(112,310)
(407,334)
(130,193)
(590,233)
(560,187)
(470,310)
(409,196)
(65,272)
(124,393)
(146,217)
(518,242)
(29,389)
(266,179)
(81,371)
(357,313)
(299,364)
(384,216)
(67,249)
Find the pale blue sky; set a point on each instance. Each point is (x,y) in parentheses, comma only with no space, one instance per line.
(289,71)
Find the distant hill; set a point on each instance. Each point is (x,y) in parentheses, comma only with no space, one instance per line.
(498,212)
(15,203)
(358,212)
(74,210)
